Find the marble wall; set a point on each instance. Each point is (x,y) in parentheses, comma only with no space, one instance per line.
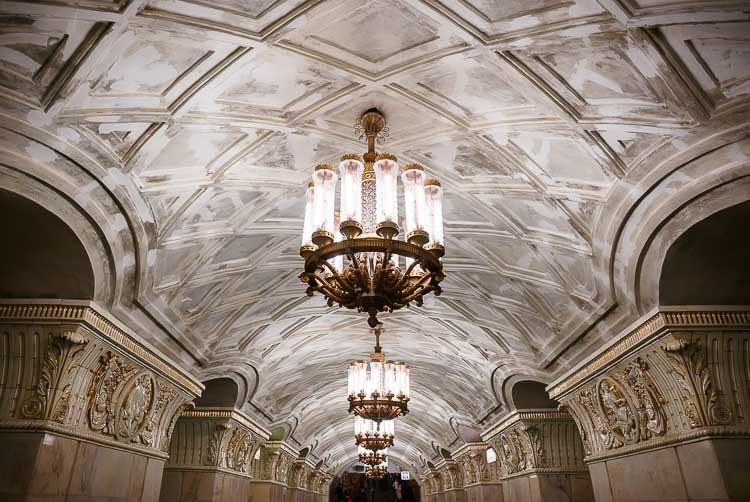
(715,470)
(52,468)
(204,486)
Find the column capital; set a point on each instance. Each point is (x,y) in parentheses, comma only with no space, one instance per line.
(536,441)
(216,439)
(673,377)
(77,372)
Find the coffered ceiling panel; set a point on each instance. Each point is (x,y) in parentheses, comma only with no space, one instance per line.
(537,115)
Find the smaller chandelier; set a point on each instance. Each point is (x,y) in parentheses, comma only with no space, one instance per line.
(378,390)
(371,458)
(378,471)
(373,436)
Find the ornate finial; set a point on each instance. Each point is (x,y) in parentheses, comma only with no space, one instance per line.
(371,125)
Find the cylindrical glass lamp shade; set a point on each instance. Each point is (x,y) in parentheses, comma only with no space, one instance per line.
(350,170)
(324,197)
(338,261)
(413,179)
(433,192)
(387,428)
(402,380)
(386,186)
(307,227)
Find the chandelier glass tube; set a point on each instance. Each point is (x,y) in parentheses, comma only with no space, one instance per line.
(355,259)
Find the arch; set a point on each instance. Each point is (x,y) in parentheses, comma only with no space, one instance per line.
(709,263)
(530,394)
(221,392)
(651,260)
(110,217)
(32,268)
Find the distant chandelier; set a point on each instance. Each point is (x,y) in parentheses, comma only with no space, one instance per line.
(381,273)
(378,389)
(378,471)
(372,458)
(373,436)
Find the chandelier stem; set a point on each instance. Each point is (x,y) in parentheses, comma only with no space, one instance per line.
(377,331)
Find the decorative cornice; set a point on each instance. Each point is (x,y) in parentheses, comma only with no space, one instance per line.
(647,331)
(524,415)
(93,319)
(229,414)
(281,447)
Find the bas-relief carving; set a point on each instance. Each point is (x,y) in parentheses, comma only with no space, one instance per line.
(538,441)
(59,361)
(216,438)
(84,388)
(626,408)
(705,403)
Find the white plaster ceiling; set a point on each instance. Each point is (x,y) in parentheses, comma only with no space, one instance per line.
(533,113)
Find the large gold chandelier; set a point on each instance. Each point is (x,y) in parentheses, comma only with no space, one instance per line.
(379,273)
(378,390)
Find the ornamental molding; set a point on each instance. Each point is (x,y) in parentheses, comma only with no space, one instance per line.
(681,385)
(91,317)
(651,327)
(70,380)
(536,441)
(230,414)
(526,415)
(220,439)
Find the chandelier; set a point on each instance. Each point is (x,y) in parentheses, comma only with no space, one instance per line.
(373,436)
(378,389)
(372,458)
(380,273)
(377,471)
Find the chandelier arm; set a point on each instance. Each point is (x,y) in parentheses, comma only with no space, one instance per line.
(328,291)
(356,264)
(380,274)
(339,279)
(406,275)
(418,284)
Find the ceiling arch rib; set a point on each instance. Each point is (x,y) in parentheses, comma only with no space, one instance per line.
(197,125)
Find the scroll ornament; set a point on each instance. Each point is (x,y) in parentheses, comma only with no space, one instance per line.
(51,396)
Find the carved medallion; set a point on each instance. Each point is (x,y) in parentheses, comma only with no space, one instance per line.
(112,372)
(135,406)
(618,413)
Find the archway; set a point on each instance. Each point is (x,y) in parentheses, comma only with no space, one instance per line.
(43,257)
(708,264)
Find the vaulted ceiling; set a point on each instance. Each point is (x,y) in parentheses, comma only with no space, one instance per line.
(539,116)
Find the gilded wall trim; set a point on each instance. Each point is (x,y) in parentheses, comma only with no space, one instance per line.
(229,414)
(644,333)
(65,377)
(103,327)
(216,439)
(535,442)
(678,377)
